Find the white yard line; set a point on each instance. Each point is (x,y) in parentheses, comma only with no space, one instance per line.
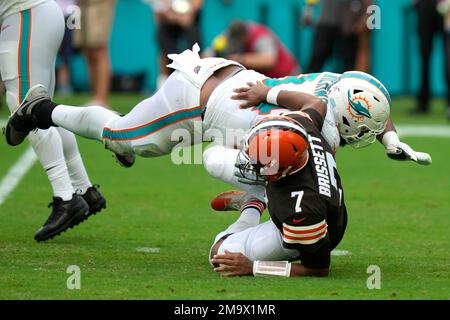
(16,173)
(423,130)
(148,249)
(340,252)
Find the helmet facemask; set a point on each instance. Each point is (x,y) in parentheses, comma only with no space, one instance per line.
(359,136)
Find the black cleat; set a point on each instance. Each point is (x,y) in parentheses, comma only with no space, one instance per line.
(65,215)
(20,123)
(125,161)
(95,200)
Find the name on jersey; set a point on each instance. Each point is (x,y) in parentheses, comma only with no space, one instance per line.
(321,165)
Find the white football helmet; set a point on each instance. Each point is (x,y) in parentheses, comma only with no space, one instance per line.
(361,106)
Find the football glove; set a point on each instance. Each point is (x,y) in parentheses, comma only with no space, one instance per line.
(401,151)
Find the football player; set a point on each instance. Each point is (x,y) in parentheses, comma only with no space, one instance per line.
(199,91)
(305,197)
(352,105)
(31,33)
(355,109)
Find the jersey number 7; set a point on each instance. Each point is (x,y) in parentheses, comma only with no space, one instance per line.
(299,195)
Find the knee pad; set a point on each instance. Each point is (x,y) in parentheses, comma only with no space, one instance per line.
(212,162)
(219,162)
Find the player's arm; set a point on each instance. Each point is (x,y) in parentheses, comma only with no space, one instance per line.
(257,93)
(237,264)
(397,150)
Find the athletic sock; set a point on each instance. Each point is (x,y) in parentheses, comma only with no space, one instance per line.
(56,173)
(250,216)
(48,148)
(78,174)
(87,122)
(77,171)
(42,114)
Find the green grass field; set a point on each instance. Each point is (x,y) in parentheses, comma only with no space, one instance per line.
(399,220)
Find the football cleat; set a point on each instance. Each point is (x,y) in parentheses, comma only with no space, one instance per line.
(94,199)
(20,123)
(235,201)
(228,201)
(125,161)
(65,215)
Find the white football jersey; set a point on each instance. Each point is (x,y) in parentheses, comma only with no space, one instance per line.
(9,7)
(315,84)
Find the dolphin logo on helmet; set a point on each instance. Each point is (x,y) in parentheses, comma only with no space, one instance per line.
(361,106)
(356,106)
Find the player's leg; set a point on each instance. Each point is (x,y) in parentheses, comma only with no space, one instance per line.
(78,175)
(87,122)
(261,242)
(146,129)
(447,66)
(18,55)
(48,19)
(47,145)
(426,32)
(324,39)
(224,121)
(42,65)
(38,111)
(219,161)
(15,62)
(77,172)
(251,210)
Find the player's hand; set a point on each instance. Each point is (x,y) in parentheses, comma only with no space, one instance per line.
(232,264)
(401,151)
(253,95)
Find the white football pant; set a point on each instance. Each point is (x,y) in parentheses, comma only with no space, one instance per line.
(261,242)
(29,42)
